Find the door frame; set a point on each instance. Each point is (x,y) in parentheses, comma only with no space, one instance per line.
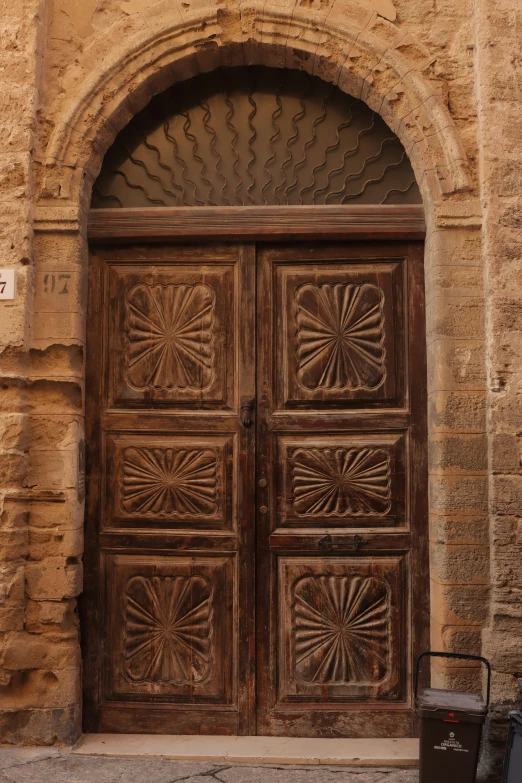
(194,225)
(281,223)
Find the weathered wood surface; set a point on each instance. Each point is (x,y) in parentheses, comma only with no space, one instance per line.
(256,519)
(341,543)
(261,223)
(170,555)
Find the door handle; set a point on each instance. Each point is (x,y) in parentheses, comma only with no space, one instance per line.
(247,411)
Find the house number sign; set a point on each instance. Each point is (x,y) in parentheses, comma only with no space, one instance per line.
(7,283)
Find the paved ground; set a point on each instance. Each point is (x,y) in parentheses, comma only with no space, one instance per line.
(54,766)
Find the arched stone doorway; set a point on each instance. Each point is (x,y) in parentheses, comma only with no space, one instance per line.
(256,519)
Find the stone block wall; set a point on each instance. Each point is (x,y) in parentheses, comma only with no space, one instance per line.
(446,77)
(39,660)
(41,520)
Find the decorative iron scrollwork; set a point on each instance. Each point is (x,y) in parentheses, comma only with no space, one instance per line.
(255,136)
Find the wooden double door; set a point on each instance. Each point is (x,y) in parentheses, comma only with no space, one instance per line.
(256,511)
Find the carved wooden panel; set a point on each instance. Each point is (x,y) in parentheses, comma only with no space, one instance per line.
(172,335)
(340,333)
(342,481)
(342,517)
(168,629)
(340,629)
(177,482)
(170,491)
(171,626)
(340,336)
(169,481)
(306,492)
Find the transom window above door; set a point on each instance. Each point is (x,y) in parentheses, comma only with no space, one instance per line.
(251,137)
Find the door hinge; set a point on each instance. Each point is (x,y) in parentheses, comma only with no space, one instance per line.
(325,543)
(359,542)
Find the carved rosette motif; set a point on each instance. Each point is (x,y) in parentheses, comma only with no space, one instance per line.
(341,629)
(341,482)
(169,335)
(169,481)
(340,336)
(167,629)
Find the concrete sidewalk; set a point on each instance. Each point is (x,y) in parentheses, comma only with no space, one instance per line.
(50,765)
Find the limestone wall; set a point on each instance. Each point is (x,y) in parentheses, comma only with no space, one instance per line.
(38,633)
(445,75)
(499,80)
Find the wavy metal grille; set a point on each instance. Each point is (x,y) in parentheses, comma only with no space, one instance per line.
(255,136)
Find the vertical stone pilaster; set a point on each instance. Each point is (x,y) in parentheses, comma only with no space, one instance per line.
(19,59)
(38,665)
(459,566)
(498,26)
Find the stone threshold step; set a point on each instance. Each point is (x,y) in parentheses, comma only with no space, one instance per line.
(265,750)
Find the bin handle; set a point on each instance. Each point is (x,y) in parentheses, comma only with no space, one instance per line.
(454,655)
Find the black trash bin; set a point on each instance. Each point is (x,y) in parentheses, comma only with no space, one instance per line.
(450,728)
(513,761)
